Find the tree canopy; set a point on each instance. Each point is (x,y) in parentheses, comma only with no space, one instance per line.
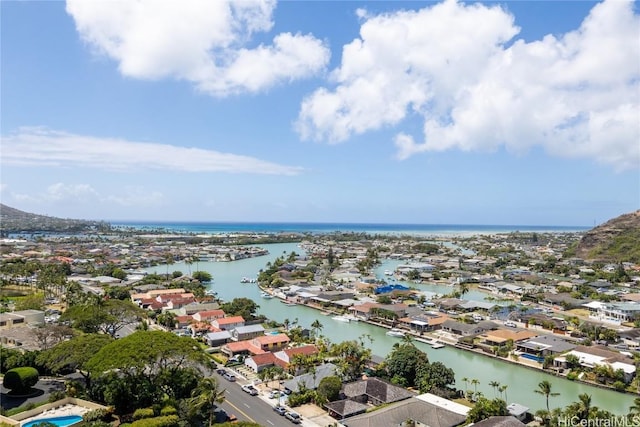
(244,307)
(404,362)
(108,316)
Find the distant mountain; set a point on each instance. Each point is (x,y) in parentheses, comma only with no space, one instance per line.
(617,240)
(15,221)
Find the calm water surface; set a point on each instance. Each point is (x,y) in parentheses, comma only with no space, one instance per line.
(520,381)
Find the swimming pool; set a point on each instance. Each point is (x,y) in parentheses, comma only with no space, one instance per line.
(64,421)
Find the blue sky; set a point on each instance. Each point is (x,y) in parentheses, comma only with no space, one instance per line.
(328,111)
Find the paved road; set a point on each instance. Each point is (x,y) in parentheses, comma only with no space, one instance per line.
(249,408)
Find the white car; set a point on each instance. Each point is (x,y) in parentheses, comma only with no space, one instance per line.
(250,389)
(510,324)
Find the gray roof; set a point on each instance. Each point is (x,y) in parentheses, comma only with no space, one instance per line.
(556,345)
(346,408)
(517,409)
(308,380)
(216,336)
(249,329)
(379,390)
(415,409)
(500,422)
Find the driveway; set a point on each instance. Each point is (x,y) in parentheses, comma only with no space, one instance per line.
(43,388)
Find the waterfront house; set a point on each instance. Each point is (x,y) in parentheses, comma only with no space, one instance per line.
(467,329)
(425,322)
(364,310)
(500,337)
(590,357)
(538,347)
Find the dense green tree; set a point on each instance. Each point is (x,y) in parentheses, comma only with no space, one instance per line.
(72,355)
(351,357)
(404,362)
(20,380)
(485,408)
(329,388)
(202,276)
(108,316)
(244,307)
(145,367)
(434,377)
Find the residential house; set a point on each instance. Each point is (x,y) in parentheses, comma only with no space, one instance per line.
(228,323)
(215,339)
(284,357)
(538,347)
(364,310)
(630,337)
(270,342)
(258,362)
(247,332)
(356,396)
(425,322)
(310,380)
(500,337)
(467,329)
(208,315)
(590,357)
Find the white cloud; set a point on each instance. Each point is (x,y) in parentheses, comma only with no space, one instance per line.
(45,147)
(200,41)
(63,192)
(137,196)
(452,65)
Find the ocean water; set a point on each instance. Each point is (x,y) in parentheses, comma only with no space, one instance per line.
(314,227)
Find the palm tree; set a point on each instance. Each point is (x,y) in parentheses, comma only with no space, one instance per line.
(503,389)
(583,406)
(206,395)
(635,408)
(464,288)
(407,339)
(495,385)
(544,388)
(316,326)
(475,383)
(466,386)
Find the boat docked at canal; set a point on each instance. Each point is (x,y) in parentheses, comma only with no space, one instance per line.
(345,318)
(395,332)
(266,295)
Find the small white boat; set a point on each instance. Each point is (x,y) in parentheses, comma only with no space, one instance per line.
(266,295)
(345,319)
(437,345)
(388,273)
(210,292)
(394,332)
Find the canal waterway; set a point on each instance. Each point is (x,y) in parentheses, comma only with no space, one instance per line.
(520,381)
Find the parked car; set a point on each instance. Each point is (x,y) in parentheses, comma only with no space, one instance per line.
(276,393)
(221,371)
(250,389)
(229,376)
(294,417)
(280,409)
(510,324)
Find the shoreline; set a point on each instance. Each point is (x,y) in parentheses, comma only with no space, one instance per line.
(440,339)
